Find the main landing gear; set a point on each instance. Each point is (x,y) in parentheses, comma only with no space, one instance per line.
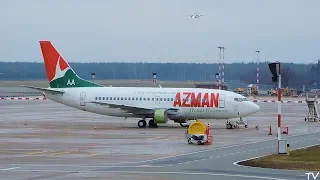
(143,123)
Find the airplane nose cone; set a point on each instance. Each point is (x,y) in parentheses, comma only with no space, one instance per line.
(254,107)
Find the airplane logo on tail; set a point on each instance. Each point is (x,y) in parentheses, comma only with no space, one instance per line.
(70,83)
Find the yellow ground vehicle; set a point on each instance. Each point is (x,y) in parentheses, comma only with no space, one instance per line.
(197,133)
(252,89)
(284,92)
(238,90)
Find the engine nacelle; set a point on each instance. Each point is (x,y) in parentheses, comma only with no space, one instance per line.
(160,116)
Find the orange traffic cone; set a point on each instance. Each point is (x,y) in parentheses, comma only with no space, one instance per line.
(270,130)
(208,135)
(209,140)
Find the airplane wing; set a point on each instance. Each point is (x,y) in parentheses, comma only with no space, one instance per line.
(131,109)
(53,91)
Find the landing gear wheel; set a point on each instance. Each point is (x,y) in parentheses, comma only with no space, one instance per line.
(152,124)
(245,126)
(229,126)
(184,125)
(142,124)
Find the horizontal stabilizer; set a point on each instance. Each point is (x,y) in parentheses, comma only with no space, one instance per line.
(44,89)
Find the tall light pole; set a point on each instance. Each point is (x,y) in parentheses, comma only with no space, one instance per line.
(154,79)
(217,79)
(258,52)
(221,67)
(93,76)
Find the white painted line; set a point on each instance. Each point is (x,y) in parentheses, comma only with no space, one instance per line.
(208,150)
(237,162)
(207,174)
(195,152)
(7,169)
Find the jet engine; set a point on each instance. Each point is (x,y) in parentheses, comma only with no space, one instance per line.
(160,116)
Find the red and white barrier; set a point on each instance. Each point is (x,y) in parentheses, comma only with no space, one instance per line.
(275,101)
(23,98)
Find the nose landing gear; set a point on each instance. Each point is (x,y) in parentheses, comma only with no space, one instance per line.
(235,124)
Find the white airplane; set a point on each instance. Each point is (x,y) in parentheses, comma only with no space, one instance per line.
(195,16)
(159,104)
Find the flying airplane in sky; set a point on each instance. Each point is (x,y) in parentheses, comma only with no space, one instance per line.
(159,104)
(195,16)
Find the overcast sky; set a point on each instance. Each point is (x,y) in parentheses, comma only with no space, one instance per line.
(161,31)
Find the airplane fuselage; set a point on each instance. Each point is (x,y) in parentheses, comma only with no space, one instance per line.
(192,102)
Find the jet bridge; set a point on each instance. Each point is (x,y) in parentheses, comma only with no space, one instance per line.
(313,108)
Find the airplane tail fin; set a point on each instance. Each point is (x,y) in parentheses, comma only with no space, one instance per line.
(59,72)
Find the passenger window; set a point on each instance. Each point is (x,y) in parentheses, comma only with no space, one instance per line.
(125,98)
(118,98)
(141,99)
(121,98)
(128,98)
(96,98)
(168,99)
(171,99)
(164,99)
(103,98)
(152,99)
(99,98)
(144,99)
(148,99)
(156,99)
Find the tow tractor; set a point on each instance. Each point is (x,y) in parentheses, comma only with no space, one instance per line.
(198,133)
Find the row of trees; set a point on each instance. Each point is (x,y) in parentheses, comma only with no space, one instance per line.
(294,75)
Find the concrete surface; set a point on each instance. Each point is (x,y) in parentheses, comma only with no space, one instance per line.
(59,142)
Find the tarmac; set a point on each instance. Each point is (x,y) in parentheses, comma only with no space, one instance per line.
(46,140)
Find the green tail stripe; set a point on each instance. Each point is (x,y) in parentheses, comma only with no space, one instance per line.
(71,80)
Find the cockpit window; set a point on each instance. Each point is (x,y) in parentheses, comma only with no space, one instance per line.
(240,99)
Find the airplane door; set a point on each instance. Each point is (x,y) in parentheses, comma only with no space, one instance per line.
(157,100)
(82,99)
(222,98)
